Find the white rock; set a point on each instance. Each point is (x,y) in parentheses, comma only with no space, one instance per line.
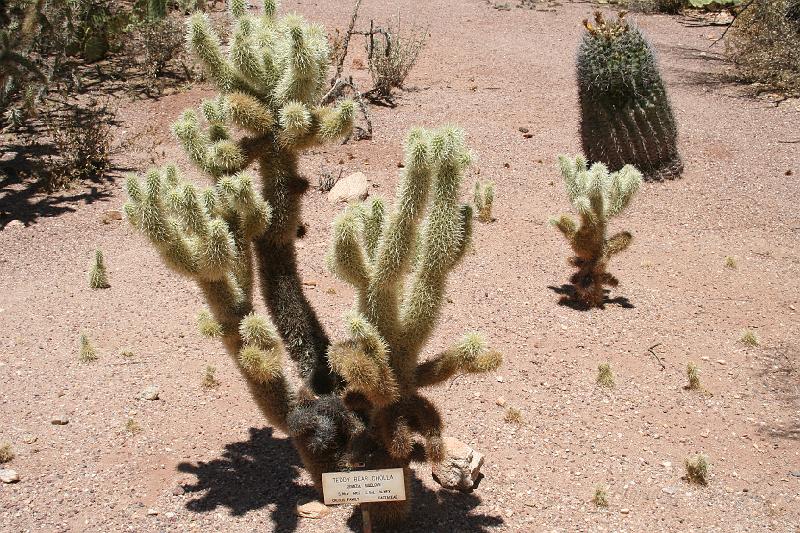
(460,468)
(312,509)
(60,420)
(8,476)
(13,224)
(353,187)
(150,393)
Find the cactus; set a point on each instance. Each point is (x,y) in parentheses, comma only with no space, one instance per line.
(483,197)
(626,117)
(359,401)
(598,196)
(86,353)
(98,278)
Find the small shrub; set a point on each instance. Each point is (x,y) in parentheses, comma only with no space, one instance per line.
(208,326)
(132,426)
(98,278)
(210,380)
(600,498)
(391,59)
(764,42)
(748,338)
(513,416)
(697,469)
(693,373)
(327,180)
(484,200)
(82,139)
(157,42)
(730,262)
(605,377)
(127,353)
(6,453)
(87,352)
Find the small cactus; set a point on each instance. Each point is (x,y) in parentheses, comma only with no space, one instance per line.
(626,117)
(749,338)
(598,196)
(693,373)
(87,353)
(98,278)
(210,380)
(513,416)
(484,199)
(697,469)
(208,326)
(600,498)
(605,377)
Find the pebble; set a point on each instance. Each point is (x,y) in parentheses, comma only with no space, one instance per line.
(669,490)
(500,379)
(177,491)
(721,361)
(169,514)
(625,511)
(666,464)
(8,476)
(152,512)
(60,420)
(150,393)
(29,439)
(500,401)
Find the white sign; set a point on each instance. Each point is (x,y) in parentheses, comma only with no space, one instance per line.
(363,486)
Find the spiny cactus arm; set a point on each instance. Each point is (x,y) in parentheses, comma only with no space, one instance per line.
(565,225)
(250,114)
(443,241)
(396,425)
(470,356)
(304,127)
(618,243)
(305,53)
(217,157)
(348,255)
(623,185)
(477,196)
(203,41)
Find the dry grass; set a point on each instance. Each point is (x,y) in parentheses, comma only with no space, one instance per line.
(127,353)
(210,380)
(605,377)
(6,453)
(513,416)
(764,42)
(391,59)
(748,338)
(730,262)
(600,497)
(697,469)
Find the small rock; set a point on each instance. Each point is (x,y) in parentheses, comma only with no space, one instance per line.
(13,224)
(312,509)
(795,474)
(152,512)
(29,439)
(353,187)
(169,514)
(500,401)
(60,420)
(625,511)
(150,393)
(7,157)
(509,513)
(177,491)
(524,130)
(111,215)
(721,361)
(500,379)
(666,464)
(460,468)
(669,490)
(8,476)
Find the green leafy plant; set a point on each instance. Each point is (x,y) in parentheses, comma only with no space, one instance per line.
(98,278)
(598,196)
(626,117)
(360,402)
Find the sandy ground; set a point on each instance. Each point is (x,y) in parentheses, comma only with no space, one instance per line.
(203,460)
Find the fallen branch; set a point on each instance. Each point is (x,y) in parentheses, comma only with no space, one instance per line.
(660,362)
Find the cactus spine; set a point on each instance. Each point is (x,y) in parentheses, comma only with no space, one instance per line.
(98,278)
(360,399)
(597,196)
(626,117)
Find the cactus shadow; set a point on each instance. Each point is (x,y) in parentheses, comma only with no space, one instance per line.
(253,474)
(437,510)
(568,299)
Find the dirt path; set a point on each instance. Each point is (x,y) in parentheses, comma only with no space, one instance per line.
(204,461)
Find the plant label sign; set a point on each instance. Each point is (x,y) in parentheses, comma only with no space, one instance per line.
(363,486)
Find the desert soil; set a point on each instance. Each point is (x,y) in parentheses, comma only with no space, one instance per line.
(204,459)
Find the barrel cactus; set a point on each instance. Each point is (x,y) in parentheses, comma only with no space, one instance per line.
(626,117)
(597,195)
(359,401)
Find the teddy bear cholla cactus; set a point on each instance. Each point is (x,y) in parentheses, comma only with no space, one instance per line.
(598,196)
(359,403)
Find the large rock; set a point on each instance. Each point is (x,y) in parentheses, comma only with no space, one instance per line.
(313,509)
(353,187)
(460,468)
